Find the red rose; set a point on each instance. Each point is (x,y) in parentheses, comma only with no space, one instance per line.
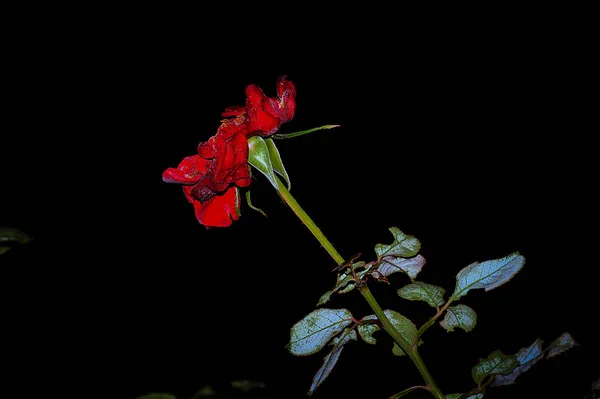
(262,115)
(211,179)
(266,114)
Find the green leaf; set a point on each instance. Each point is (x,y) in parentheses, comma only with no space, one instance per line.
(259,157)
(404,245)
(405,327)
(325,298)
(12,234)
(419,291)
(312,333)
(496,363)
(157,396)
(206,390)
(361,269)
(463,396)
(366,330)
(347,288)
(529,356)
(331,359)
(488,275)
(410,266)
(397,351)
(460,316)
(277,162)
(345,281)
(561,344)
(526,357)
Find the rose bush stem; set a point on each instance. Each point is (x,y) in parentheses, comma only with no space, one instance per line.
(387,325)
(303,216)
(410,350)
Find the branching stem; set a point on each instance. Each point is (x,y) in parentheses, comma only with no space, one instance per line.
(408,348)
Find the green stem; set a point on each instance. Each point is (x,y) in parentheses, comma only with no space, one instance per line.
(387,325)
(430,322)
(408,390)
(409,349)
(290,135)
(303,216)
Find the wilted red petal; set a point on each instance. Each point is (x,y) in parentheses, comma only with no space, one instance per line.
(231,127)
(241,175)
(261,111)
(285,86)
(224,162)
(263,122)
(220,211)
(206,149)
(286,91)
(231,164)
(190,171)
(201,191)
(187,192)
(233,111)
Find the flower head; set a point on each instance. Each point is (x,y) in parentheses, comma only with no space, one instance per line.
(263,115)
(212,178)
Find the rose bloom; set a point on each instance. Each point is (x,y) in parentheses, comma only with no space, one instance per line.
(212,178)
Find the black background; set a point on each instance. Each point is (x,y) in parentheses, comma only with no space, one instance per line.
(474,139)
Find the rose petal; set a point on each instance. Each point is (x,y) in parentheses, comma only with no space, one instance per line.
(187,192)
(286,91)
(220,211)
(284,86)
(261,111)
(205,150)
(224,163)
(190,171)
(241,169)
(230,127)
(264,123)
(233,111)
(201,191)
